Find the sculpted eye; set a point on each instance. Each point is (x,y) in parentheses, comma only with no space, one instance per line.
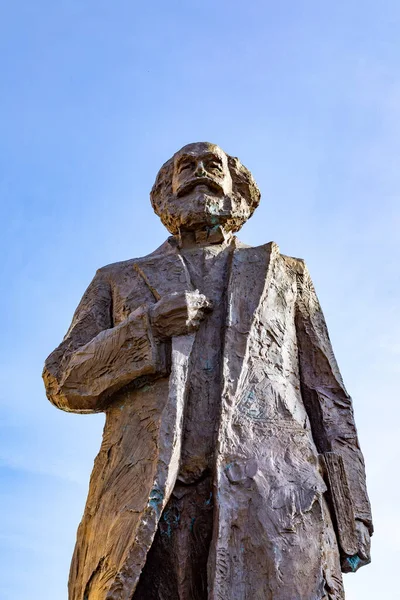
(214,166)
(185,165)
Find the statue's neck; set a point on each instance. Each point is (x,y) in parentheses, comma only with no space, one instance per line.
(203,237)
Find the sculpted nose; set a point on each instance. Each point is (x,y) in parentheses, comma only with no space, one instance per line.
(200,171)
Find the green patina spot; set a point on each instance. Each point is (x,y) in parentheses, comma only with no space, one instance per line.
(171,520)
(146,387)
(354,561)
(156,498)
(208,366)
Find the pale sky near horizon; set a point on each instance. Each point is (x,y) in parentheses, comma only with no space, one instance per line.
(94,97)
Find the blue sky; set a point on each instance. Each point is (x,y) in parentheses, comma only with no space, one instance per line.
(94,97)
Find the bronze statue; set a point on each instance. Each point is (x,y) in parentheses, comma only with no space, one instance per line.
(230,466)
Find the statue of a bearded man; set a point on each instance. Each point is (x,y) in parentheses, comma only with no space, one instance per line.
(230,466)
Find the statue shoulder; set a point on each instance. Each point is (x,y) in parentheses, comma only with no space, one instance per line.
(115,269)
(296,265)
(109,270)
(272,247)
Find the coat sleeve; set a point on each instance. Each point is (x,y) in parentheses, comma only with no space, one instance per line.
(96,359)
(327,402)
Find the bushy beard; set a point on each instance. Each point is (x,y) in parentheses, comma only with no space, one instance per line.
(203,210)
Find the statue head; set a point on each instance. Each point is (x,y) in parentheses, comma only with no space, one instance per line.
(201,187)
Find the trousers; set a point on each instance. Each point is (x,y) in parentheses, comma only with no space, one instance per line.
(176,565)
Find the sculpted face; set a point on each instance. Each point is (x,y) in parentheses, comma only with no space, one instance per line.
(204,167)
(201,188)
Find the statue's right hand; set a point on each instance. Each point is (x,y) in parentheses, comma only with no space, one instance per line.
(179,313)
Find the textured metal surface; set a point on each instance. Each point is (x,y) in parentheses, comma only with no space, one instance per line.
(213,364)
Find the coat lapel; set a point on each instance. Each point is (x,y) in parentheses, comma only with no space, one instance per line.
(249,284)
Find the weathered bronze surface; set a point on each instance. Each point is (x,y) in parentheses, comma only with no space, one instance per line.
(230,466)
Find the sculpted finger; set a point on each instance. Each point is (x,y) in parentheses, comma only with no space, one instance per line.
(364,542)
(193,323)
(364,553)
(207,305)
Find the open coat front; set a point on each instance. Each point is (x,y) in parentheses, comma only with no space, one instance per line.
(283,404)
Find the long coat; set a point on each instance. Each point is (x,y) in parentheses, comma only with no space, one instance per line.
(283,404)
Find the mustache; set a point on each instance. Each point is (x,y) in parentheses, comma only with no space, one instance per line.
(190,185)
